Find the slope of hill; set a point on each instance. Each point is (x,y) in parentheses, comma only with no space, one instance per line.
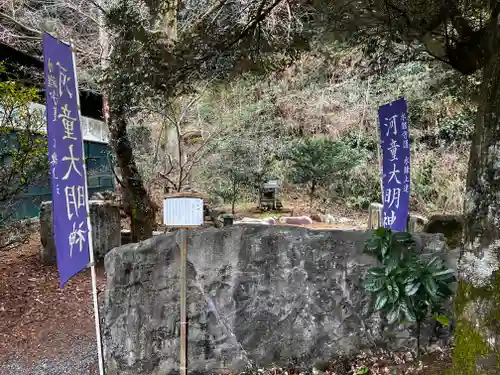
(336,90)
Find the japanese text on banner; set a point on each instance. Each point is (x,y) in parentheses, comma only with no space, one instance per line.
(66,158)
(395,146)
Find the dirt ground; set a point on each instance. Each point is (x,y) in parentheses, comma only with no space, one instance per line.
(37,318)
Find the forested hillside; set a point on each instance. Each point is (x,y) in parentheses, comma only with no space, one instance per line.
(334,91)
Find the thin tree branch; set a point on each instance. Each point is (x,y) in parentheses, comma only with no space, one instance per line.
(14,21)
(213,9)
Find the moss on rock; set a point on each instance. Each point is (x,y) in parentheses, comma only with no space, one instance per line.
(478,317)
(469,347)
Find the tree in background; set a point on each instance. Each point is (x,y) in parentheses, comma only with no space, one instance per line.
(23,158)
(189,146)
(231,182)
(22,23)
(466,36)
(162,48)
(316,162)
(243,162)
(153,52)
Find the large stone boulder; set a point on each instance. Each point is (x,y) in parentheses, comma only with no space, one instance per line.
(256,295)
(106,225)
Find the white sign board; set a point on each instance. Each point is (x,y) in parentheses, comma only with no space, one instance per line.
(183,211)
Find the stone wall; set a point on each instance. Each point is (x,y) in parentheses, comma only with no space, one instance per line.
(256,295)
(105,221)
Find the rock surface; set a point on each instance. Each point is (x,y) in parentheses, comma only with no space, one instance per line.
(105,221)
(450,226)
(256,295)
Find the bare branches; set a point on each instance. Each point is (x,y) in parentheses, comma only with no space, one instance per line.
(19,24)
(196,156)
(23,21)
(215,8)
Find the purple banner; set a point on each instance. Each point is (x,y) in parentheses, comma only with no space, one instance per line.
(395,146)
(65,145)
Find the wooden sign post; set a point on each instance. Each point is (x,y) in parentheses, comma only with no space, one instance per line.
(183,211)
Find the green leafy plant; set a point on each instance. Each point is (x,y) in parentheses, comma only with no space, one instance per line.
(404,287)
(315,162)
(458,127)
(23,158)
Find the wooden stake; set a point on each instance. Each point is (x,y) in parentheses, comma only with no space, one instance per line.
(183,298)
(174,216)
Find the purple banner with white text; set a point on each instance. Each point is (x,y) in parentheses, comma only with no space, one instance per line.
(395,146)
(65,146)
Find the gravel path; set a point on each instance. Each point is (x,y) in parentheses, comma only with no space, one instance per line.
(80,360)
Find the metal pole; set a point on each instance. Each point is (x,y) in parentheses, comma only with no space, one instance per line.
(90,241)
(183,307)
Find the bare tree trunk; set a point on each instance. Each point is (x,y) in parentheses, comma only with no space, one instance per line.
(104,45)
(168,24)
(137,202)
(477,303)
(311,196)
(170,20)
(233,199)
(138,205)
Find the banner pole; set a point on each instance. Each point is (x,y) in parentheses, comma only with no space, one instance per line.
(94,296)
(89,230)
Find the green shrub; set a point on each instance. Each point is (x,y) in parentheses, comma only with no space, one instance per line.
(404,287)
(23,156)
(362,186)
(315,162)
(457,128)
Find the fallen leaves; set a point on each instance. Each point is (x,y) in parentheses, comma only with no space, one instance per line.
(372,362)
(37,318)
